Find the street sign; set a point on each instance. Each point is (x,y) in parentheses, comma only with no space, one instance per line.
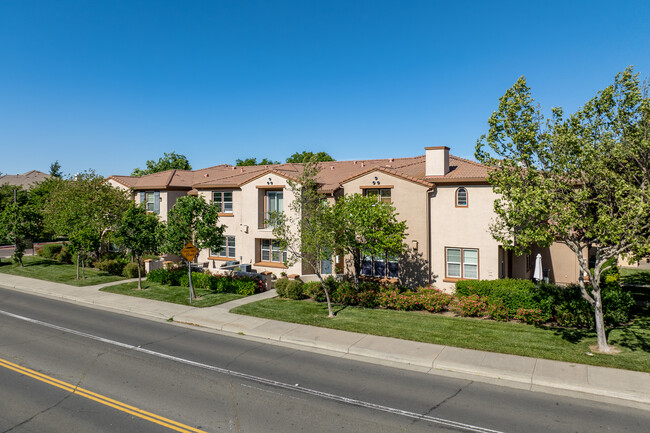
(189,252)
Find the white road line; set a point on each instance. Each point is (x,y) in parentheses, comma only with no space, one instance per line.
(269,382)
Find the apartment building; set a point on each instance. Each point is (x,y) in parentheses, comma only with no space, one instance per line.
(445,201)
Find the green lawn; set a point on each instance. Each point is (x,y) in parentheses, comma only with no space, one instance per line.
(174,294)
(50,270)
(512,338)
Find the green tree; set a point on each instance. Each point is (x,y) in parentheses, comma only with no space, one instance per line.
(137,233)
(307,231)
(85,209)
(191,219)
(55,170)
(18,224)
(302,157)
(367,226)
(11,193)
(169,161)
(583,180)
(253,161)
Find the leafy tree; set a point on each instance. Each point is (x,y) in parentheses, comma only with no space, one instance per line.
(169,161)
(191,219)
(8,192)
(82,243)
(18,224)
(583,180)
(253,161)
(307,232)
(86,209)
(366,226)
(302,157)
(55,170)
(137,233)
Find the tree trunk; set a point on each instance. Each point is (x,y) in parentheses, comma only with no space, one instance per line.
(78,262)
(137,260)
(356,257)
(330,313)
(83,269)
(599,319)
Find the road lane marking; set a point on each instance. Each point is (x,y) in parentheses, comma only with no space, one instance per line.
(165,422)
(262,380)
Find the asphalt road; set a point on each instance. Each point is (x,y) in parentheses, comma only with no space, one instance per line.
(68,368)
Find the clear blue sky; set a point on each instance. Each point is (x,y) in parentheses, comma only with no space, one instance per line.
(109,84)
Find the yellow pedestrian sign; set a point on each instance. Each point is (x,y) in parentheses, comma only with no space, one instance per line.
(189,252)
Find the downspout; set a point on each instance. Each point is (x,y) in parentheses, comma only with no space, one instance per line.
(428,237)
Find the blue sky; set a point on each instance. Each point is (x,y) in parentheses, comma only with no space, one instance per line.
(109,84)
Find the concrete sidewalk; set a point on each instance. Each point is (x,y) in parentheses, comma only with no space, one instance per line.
(609,385)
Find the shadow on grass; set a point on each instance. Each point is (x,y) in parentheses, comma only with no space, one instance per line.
(637,278)
(572,335)
(635,336)
(343,307)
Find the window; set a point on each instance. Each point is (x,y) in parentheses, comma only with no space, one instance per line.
(227,248)
(274,201)
(150,200)
(461,197)
(380,265)
(382,194)
(271,251)
(462,263)
(223,200)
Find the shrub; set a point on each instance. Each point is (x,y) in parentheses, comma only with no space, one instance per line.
(246,288)
(345,294)
(511,293)
(471,306)
(433,300)
(498,312)
(112,266)
(280,286)
(168,277)
(394,300)
(532,316)
(367,299)
(63,256)
(131,270)
(314,291)
(295,290)
(50,250)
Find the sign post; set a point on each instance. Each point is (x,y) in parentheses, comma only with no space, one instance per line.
(190,252)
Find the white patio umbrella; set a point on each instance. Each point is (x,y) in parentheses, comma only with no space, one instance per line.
(538,274)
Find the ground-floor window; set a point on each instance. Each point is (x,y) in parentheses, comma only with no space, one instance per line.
(227,248)
(272,252)
(380,265)
(461,263)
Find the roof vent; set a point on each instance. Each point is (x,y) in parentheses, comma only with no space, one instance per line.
(391,160)
(206,175)
(363,164)
(332,168)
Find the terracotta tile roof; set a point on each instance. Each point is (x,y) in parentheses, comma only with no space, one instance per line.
(332,175)
(25,180)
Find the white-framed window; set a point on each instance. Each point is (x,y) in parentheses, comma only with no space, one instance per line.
(223,200)
(274,202)
(461,197)
(151,201)
(227,248)
(272,252)
(382,194)
(461,263)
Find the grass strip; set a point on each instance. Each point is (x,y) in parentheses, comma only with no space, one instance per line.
(559,344)
(173,294)
(57,272)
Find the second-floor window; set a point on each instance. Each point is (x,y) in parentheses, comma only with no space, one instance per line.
(274,203)
(461,197)
(382,194)
(223,200)
(150,200)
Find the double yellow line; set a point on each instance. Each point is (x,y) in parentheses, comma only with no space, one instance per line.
(173,425)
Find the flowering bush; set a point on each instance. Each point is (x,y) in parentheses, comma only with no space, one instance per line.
(314,291)
(532,316)
(367,299)
(394,300)
(498,312)
(471,306)
(433,300)
(346,294)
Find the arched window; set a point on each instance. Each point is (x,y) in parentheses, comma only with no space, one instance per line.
(461,197)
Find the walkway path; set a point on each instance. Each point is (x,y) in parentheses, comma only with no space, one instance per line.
(624,387)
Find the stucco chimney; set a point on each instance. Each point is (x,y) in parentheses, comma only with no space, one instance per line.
(437,160)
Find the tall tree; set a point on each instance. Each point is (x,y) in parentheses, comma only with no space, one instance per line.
(19,223)
(366,226)
(191,219)
(253,161)
(55,169)
(85,208)
(137,233)
(307,231)
(584,180)
(169,161)
(302,157)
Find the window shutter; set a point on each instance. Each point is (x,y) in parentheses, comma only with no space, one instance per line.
(142,199)
(156,202)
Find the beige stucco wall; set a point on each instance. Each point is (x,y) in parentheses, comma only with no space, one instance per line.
(410,202)
(466,227)
(244,224)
